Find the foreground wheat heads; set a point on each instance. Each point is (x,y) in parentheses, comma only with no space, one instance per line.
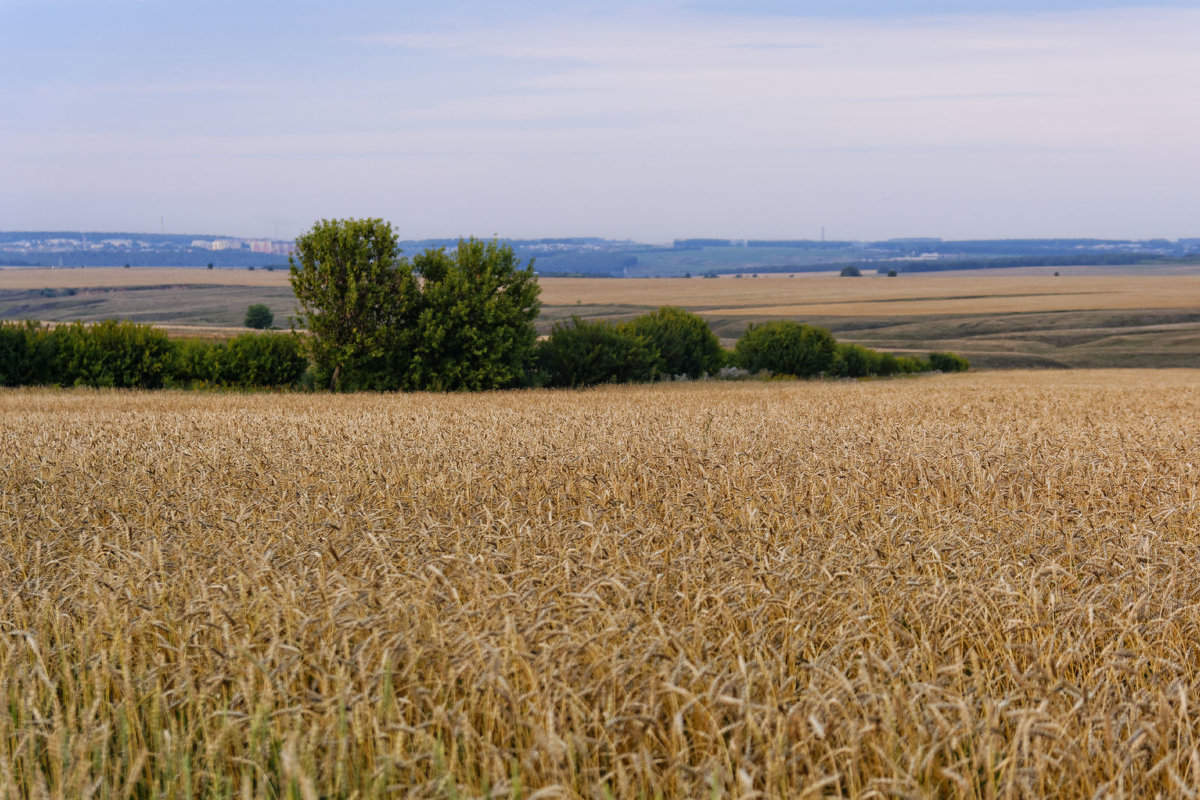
(958,586)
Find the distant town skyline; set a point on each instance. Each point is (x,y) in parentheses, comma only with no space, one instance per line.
(648,121)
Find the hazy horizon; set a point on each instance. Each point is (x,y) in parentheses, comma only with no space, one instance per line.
(645,121)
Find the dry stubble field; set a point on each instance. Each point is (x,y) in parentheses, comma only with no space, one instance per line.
(957,586)
(975,292)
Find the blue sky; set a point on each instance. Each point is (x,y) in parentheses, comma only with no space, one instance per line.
(644,120)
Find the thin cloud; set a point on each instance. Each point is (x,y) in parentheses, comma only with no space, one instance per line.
(652,124)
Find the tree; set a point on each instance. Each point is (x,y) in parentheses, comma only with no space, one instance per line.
(473,327)
(686,344)
(259,316)
(786,348)
(355,291)
(851,272)
(444,321)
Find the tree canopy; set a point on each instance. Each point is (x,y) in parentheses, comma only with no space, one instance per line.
(259,316)
(444,321)
(474,323)
(351,283)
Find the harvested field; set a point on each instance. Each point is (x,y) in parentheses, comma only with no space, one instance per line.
(16,278)
(954,586)
(976,292)
(874,296)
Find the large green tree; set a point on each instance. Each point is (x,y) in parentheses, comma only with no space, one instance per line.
(356,293)
(446,320)
(474,323)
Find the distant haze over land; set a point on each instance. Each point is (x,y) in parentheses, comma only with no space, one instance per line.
(594,256)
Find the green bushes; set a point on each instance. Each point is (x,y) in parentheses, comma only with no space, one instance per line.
(120,355)
(783,347)
(856,361)
(127,355)
(12,355)
(671,342)
(263,360)
(109,354)
(665,343)
(583,353)
(685,343)
(252,360)
(948,362)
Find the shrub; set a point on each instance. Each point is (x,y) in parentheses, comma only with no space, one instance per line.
(251,360)
(112,354)
(193,363)
(851,272)
(788,348)
(912,365)
(948,362)
(263,360)
(685,343)
(856,361)
(41,365)
(583,353)
(259,316)
(14,352)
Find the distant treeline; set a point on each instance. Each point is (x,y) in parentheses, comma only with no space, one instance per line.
(669,343)
(1095,259)
(581,263)
(595,256)
(192,257)
(991,247)
(588,264)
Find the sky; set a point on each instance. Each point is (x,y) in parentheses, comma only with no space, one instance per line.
(648,120)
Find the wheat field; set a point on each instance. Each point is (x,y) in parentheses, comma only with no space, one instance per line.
(967,586)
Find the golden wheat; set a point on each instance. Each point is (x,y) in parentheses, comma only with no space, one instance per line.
(962,586)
